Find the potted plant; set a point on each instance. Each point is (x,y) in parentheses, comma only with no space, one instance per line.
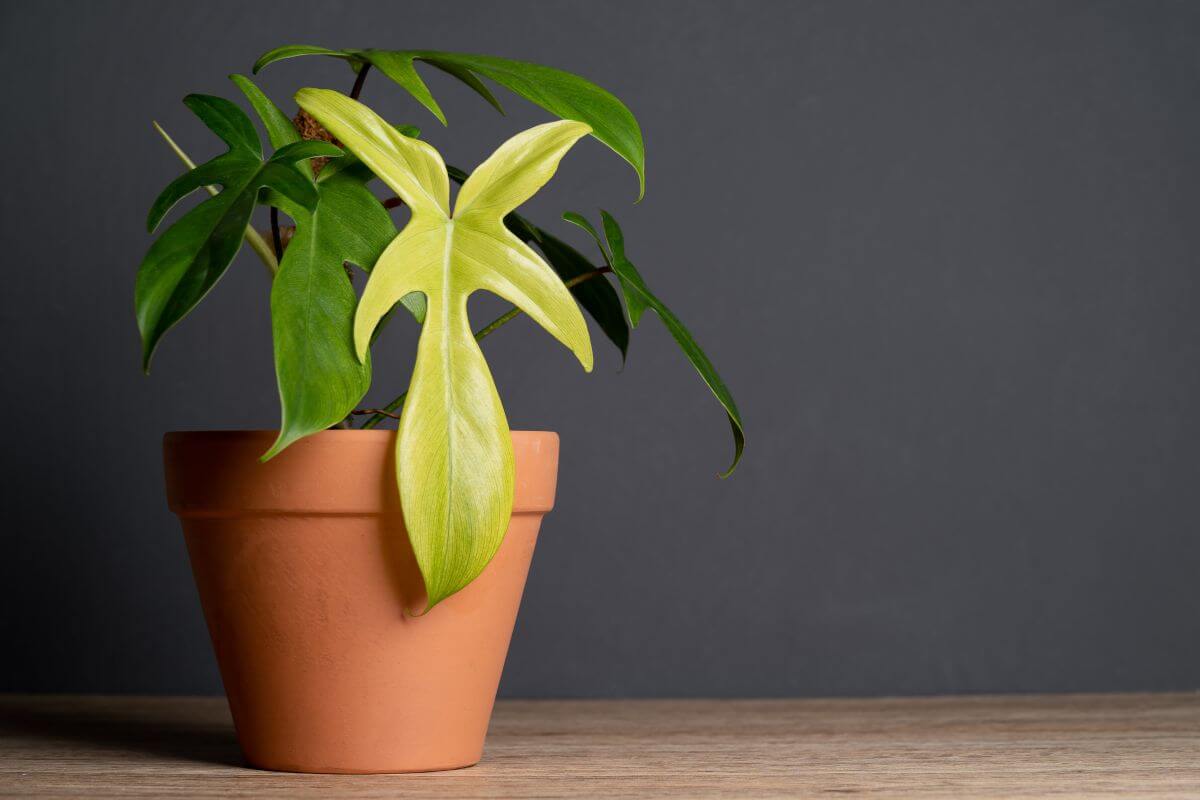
(361,584)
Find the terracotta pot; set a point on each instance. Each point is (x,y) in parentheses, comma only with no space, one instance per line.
(304,571)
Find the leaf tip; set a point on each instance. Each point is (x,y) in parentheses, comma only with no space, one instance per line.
(281,442)
(739,446)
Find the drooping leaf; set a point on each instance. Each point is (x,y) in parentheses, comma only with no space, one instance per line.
(638,298)
(454,452)
(191,256)
(635,302)
(563,94)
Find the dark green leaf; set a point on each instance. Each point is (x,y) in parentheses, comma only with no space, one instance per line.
(211,172)
(522,228)
(398,66)
(638,296)
(227,121)
(466,76)
(293,50)
(563,94)
(597,296)
(312,301)
(582,221)
(312,308)
(299,151)
(192,255)
(280,130)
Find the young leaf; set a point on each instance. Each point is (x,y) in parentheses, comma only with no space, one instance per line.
(454,452)
(638,298)
(192,255)
(563,94)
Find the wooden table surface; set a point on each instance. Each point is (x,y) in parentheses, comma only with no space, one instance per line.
(950,747)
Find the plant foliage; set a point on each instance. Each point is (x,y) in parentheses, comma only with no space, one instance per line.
(565,95)
(638,298)
(193,254)
(454,452)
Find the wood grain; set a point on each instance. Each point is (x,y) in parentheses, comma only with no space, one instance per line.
(953,747)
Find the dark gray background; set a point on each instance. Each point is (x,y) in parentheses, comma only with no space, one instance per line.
(944,254)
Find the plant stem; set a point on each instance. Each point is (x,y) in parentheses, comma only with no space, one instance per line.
(498,322)
(358,82)
(275,237)
(358,412)
(256,242)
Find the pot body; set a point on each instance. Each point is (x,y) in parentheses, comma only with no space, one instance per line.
(305,573)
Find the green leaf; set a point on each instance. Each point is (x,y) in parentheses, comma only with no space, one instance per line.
(522,228)
(638,298)
(320,377)
(293,50)
(454,451)
(191,256)
(563,94)
(597,296)
(280,130)
(300,151)
(312,308)
(466,76)
(227,121)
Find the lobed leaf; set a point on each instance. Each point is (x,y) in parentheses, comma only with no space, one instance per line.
(638,298)
(188,259)
(454,451)
(319,376)
(563,94)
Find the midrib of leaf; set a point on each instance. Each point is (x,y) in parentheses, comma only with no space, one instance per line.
(447,374)
(313,221)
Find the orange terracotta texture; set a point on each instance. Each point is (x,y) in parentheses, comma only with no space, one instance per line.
(304,571)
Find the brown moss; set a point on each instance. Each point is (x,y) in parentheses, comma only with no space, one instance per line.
(312,130)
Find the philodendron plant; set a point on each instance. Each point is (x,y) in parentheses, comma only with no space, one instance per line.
(453,451)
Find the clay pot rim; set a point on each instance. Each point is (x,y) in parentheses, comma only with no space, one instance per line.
(335,472)
(372,433)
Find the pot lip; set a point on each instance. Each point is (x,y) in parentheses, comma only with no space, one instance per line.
(220,473)
(352,433)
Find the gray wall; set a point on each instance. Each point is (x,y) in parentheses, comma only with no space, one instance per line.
(945,255)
